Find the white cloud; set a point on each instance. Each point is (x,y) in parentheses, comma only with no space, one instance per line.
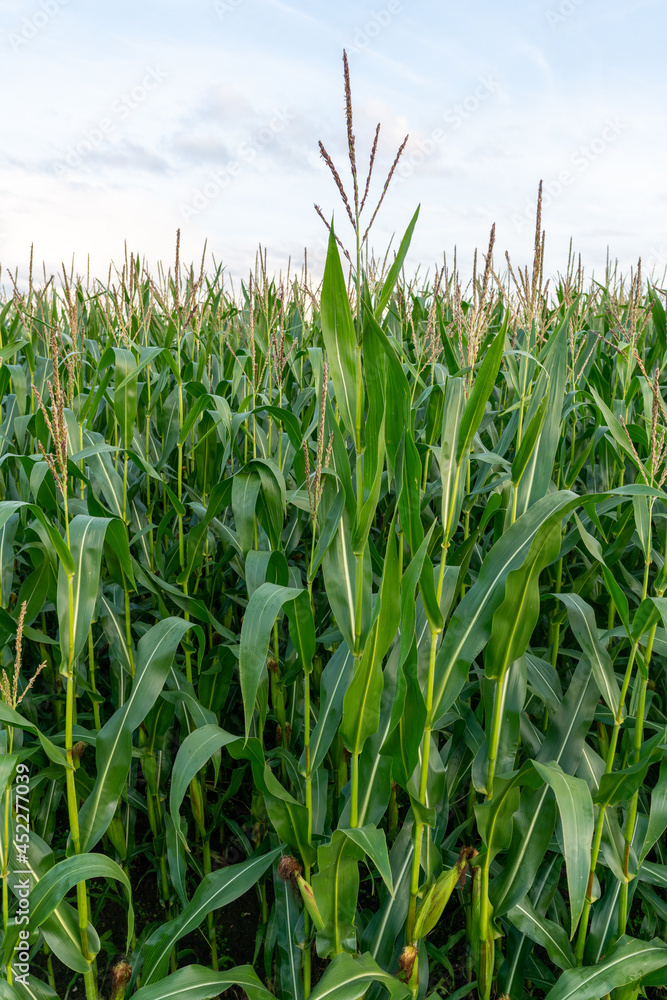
(227,77)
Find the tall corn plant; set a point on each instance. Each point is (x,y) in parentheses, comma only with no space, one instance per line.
(350,602)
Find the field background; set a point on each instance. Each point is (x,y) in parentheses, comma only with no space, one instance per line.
(334,632)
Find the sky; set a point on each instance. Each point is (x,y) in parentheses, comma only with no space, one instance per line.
(124,122)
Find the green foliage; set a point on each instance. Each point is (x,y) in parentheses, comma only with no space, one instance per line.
(349,615)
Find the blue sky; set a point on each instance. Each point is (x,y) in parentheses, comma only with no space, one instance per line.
(122,122)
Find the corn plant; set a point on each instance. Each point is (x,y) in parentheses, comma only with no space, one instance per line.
(348,602)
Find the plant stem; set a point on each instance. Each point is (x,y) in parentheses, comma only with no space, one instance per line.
(72,800)
(91,674)
(354,790)
(211,917)
(599,825)
(496,722)
(359,573)
(306,934)
(631,817)
(423,780)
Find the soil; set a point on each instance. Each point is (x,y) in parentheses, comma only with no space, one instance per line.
(236,929)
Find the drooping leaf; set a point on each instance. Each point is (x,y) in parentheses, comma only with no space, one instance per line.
(214,891)
(260,615)
(628,961)
(575,807)
(339,337)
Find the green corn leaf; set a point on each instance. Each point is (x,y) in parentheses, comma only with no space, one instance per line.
(287,917)
(340,462)
(375,372)
(618,597)
(544,681)
(593,546)
(628,961)
(470,626)
(176,856)
(32,990)
(653,873)
(220,497)
(52,887)
(619,786)
(302,629)
(216,890)
(366,514)
(126,373)
(288,817)
(245,490)
(273,495)
(538,472)
(495,816)
(481,390)
(9,507)
(450,467)
(195,982)
(146,467)
(11,717)
(265,567)
(287,418)
(397,411)
(361,704)
(514,621)
(336,887)
(395,269)
(546,933)
(336,678)
(535,820)
(61,929)
(86,543)
(348,978)
(530,440)
(409,506)
(389,920)
(146,356)
(196,749)
(657,820)
(113,748)
(582,622)
(575,807)
(339,337)
(260,615)
(373,843)
(327,532)
(338,570)
(193,414)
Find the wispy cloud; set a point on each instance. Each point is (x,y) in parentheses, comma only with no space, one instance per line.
(415,67)
(299,13)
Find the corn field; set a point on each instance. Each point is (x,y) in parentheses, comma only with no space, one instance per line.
(342,607)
